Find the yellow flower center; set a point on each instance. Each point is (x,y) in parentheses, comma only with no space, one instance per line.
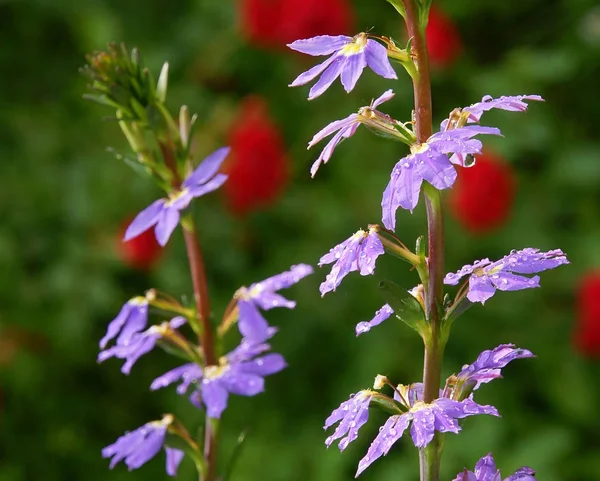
(358,44)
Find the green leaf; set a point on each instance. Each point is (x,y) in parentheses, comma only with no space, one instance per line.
(237,451)
(131,162)
(405,305)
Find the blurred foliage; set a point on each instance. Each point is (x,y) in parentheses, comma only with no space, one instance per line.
(64,197)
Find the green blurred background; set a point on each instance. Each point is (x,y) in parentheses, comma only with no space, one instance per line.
(64,198)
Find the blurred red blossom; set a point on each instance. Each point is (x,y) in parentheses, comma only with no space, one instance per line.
(483,195)
(443,39)
(258,163)
(141,252)
(275,23)
(586,336)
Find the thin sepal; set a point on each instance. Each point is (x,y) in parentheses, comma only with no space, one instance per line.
(235,455)
(386,404)
(162,83)
(393,245)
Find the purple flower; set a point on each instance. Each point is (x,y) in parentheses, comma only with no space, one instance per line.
(164,213)
(140,344)
(351,415)
(486,276)
(346,128)
(380,316)
(240,372)
(350,56)
(263,295)
(132,318)
(487,367)
(137,447)
(485,470)
(511,103)
(428,161)
(358,253)
(441,415)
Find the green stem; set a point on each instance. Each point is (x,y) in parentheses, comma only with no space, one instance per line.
(429,456)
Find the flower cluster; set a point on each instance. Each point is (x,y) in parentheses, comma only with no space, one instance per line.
(485,470)
(424,419)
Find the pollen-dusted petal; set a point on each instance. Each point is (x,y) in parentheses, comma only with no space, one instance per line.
(378,61)
(392,431)
(351,415)
(214,397)
(381,315)
(332,72)
(174,457)
(352,69)
(320,45)
(145,219)
(167,223)
(207,168)
(251,323)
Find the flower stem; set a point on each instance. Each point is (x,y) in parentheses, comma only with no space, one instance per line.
(200,285)
(429,457)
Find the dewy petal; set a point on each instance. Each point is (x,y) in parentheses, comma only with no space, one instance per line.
(327,77)
(188,372)
(352,69)
(402,191)
(452,278)
(392,431)
(378,61)
(435,168)
(489,363)
(242,383)
(370,249)
(352,415)
(511,103)
(312,73)
(530,261)
(144,220)
(269,300)
(207,168)
(265,365)
(522,474)
(214,397)
(505,281)
(320,45)
(285,279)
(480,289)
(136,322)
(166,225)
(485,469)
(423,427)
(174,457)
(152,444)
(384,97)
(327,152)
(251,323)
(380,316)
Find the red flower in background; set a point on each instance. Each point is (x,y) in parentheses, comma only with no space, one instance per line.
(443,39)
(275,23)
(141,252)
(587,332)
(258,163)
(483,195)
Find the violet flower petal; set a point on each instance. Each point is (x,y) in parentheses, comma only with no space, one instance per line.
(144,220)
(251,323)
(207,168)
(174,457)
(381,315)
(320,45)
(378,61)
(352,69)
(167,223)
(214,397)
